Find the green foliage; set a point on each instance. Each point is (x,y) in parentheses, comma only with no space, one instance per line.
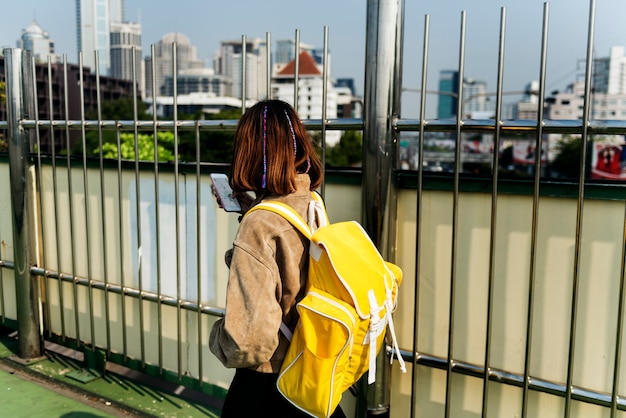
(348,152)
(118,110)
(145,145)
(214,146)
(567,161)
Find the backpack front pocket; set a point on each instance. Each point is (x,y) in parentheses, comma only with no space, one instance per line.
(312,373)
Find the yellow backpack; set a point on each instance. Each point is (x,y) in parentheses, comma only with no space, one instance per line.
(350,296)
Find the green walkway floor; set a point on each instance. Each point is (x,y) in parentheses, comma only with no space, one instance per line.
(57,386)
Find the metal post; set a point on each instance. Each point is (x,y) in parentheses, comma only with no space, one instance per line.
(19,93)
(383,82)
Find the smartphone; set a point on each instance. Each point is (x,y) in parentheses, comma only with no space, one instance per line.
(224,193)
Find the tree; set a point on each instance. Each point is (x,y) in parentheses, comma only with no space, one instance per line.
(145,145)
(348,152)
(120,109)
(215,146)
(567,161)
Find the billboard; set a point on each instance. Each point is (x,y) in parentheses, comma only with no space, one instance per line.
(608,161)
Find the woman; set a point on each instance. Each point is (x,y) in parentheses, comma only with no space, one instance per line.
(273,157)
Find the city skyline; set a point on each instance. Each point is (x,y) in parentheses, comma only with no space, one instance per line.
(208,23)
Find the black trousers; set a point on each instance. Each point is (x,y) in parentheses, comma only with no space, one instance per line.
(254,394)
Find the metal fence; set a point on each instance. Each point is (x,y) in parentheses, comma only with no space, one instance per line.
(127,254)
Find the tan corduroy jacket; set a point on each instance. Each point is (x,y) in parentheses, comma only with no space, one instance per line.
(268,273)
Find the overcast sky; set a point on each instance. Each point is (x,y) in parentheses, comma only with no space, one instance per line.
(207,22)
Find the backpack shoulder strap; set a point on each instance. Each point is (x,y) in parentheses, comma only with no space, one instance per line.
(318,210)
(286,212)
(317,214)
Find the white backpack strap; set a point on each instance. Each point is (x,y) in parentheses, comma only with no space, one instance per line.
(372,336)
(378,325)
(320,210)
(388,312)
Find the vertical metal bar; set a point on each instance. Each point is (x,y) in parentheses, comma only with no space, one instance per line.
(120,213)
(46,318)
(155,134)
(87,212)
(579,213)
(55,194)
(199,253)
(268,66)
(70,193)
(157,210)
(494,212)
(622,283)
(324,110)
(142,342)
(103,212)
(418,214)
(381,106)
(296,70)
(535,214)
(243,74)
(177,211)
(455,215)
(2,294)
(19,95)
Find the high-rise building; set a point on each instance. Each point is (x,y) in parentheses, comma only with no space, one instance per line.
(448,94)
(186,59)
(93,25)
(608,92)
(68,100)
(475,99)
(528,107)
(286,50)
(36,40)
(609,73)
(228,62)
(200,80)
(126,52)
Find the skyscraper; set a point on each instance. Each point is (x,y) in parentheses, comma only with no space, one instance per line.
(36,40)
(286,51)
(609,76)
(93,25)
(228,62)
(475,98)
(448,94)
(126,51)
(186,59)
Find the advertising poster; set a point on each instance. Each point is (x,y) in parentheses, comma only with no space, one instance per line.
(524,152)
(608,161)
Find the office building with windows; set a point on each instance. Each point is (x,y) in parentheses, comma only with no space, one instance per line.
(36,40)
(186,59)
(310,91)
(448,94)
(93,25)
(228,62)
(126,53)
